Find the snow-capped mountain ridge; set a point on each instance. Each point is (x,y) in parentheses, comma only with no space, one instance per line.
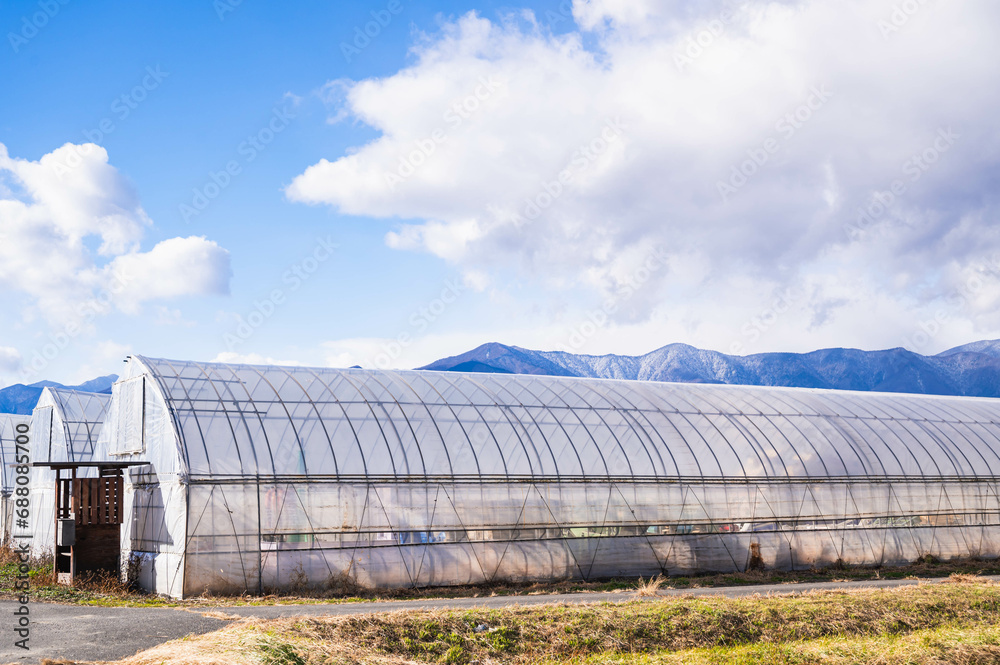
(972,369)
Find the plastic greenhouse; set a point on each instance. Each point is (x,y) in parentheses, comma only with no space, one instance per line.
(260,477)
(8,454)
(65,427)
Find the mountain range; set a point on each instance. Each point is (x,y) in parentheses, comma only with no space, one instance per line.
(20,398)
(972,369)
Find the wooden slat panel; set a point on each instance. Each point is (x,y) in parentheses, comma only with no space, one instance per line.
(97,500)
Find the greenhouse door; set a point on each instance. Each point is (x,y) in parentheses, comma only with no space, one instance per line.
(88,515)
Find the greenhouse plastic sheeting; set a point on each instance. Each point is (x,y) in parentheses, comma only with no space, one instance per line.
(262,478)
(66,426)
(8,454)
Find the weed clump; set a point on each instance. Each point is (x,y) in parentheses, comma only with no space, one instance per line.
(276,652)
(649,587)
(756,561)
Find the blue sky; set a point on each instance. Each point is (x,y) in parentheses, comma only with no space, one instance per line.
(553,175)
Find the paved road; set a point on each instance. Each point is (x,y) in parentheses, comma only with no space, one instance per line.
(82,633)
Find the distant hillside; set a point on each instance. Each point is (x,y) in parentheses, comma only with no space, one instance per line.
(20,398)
(972,369)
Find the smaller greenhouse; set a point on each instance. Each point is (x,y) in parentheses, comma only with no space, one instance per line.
(65,426)
(11,425)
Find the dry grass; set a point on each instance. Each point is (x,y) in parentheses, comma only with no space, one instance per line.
(953,623)
(104,583)
(649,587)
(7,555)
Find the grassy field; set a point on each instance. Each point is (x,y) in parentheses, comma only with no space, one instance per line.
(105,590)
(957,622)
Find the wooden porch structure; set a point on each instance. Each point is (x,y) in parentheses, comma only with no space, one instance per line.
(88,517)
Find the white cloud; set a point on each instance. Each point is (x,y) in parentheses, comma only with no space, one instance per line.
(165,316)
(70,233)
(173,268)
(10,360)
(484,192)
(251,359)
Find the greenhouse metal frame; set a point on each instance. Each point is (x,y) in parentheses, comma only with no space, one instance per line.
(261,478)
(66,426)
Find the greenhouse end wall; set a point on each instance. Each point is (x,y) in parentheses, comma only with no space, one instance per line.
(66,426)
(139,429)
(9,424)
(260,479)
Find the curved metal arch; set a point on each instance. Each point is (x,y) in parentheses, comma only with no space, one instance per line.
(541,433)
(181,434)
(847,425)
(665,415)
(347,419)
(959,446)
(374,401)
(981,421)
(288,414)
(718,411)
(873,405)
(736,455)
(433,420)
(504,409)
(636,426)
(853,417)
(489,429)
(253,447)
(843,463)
(559,422)
(457,420)
(395,430)
(993,449)
(319,418)
(772,420)
(597,412)
(969,419)
(943,427)
(949,452)
(345,378)
(751,440)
